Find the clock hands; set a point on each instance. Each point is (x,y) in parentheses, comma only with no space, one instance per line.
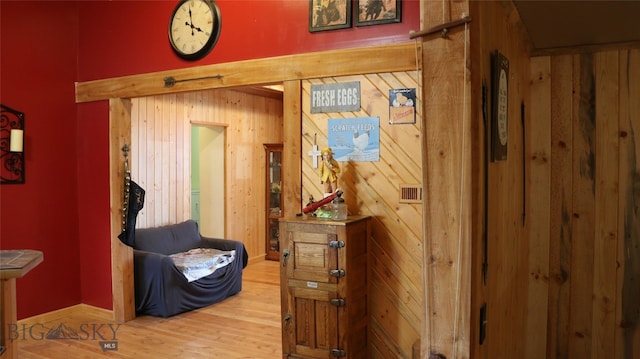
(190,24)
(193,28)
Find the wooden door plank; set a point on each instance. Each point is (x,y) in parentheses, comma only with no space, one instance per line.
(538,183)
(606,200)
(627,335)
(560,209)
(583,213)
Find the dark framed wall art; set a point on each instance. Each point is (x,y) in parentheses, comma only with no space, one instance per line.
(375,12)
(329,15)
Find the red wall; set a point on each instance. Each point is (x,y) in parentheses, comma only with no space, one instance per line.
(37,71)
(130,37)
(63,209)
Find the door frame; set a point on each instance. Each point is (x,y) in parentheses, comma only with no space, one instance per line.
(118,91)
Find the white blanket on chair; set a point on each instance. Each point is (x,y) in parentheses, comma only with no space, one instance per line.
(200,262)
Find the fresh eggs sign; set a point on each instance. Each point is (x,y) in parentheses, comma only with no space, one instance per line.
(338,97)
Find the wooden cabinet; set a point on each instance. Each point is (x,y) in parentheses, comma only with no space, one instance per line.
(274,210)
(324,284)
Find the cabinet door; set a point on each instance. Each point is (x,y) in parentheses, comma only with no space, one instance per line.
(313,330)
(273,200)
(313,256)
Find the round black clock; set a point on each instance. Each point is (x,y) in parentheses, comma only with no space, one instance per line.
(194,28)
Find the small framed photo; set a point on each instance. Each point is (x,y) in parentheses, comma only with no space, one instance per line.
(375,12)
(402,106)
(329,15)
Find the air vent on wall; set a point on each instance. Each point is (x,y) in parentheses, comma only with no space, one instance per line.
(410,193)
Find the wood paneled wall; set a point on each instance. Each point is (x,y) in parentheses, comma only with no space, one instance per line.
(504,290)
(584,159)
(563,285)
(161,156)
(372,188)
(448,152)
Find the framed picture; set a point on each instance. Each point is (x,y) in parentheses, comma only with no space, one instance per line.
(329,15)
(402,106)
(375,12)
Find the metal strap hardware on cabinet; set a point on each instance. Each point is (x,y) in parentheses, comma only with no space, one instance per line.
(336,244)
(285,256)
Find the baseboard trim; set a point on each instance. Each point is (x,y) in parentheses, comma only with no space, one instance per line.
(85,309)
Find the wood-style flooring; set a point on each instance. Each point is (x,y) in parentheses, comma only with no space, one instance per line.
(246,326)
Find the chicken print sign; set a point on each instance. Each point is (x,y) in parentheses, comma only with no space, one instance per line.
(355,139)
(402,106)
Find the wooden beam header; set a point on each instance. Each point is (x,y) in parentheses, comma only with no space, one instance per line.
(376,59)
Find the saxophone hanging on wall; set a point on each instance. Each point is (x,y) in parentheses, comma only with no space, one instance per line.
(133,201)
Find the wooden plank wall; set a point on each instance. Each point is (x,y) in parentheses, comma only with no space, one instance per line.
(500,209)
(587,245)
(372,188)
(161,156)
(448,152)
(538,197)
(121,254)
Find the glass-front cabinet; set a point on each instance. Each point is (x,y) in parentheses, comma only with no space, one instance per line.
(273,202)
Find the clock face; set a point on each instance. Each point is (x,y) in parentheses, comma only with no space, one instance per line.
(502,107)
(194,28)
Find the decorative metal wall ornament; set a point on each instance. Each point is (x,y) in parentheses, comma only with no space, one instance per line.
(11,160)
(499,106)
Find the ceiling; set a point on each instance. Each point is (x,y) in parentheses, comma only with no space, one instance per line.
(559,24)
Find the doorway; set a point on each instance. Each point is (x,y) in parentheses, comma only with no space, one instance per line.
(160,133)
(207,179)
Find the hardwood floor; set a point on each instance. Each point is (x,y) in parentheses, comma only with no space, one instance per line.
(244,326)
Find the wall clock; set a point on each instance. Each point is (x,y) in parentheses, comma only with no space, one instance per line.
(194,28)
(499,104)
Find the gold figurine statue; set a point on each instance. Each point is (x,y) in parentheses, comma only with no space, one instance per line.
(329,170)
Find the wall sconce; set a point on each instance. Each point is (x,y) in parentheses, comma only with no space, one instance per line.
(11,146)
(15,142)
